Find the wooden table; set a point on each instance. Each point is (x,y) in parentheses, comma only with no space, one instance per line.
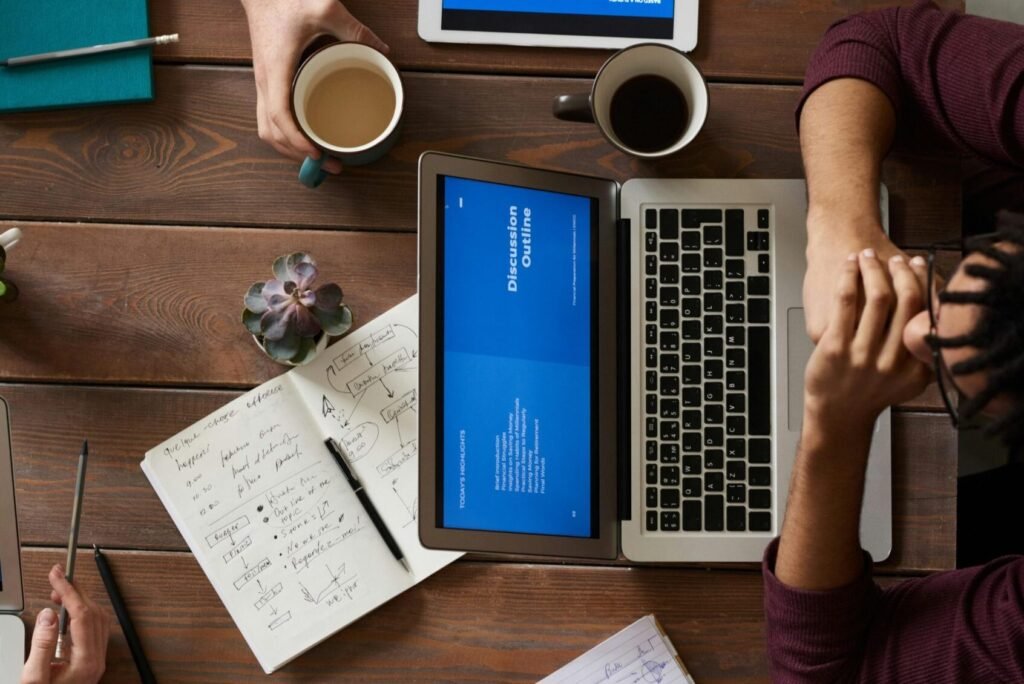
(144,224)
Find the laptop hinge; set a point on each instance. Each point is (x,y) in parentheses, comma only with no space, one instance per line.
(623,368)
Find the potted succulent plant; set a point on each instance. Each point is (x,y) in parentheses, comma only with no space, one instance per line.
(8,291)
(290,320)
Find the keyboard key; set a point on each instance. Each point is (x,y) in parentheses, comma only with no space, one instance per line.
(733,291)
(752,241)
(760,451)
(691,420)
(669,476)
(670,521)
(691,465)
(691,330)
(690,240)
(670,498)
(735,380)
(735,313)
(652,404)
(713,302)
(735,425)
(652,497)
(651,381)
(759,476)
(714,513)
(713,257)
(713,414)
(651,426)
(692,218)
(713,280)
(651,288)
(713,325)
(734,217)
(667,318)
(713,347)
(669,407)
(650,219)
(713,391)
(713,437)
(691,352)
(760,522)
(712,235)
(762,263)
(758,285)
(669,218)
(713,369)
(669,274)
(650,241)
(691,487)
(758,310)
(761,498)
(651,333)
(669,431)
(735,403)
(735,359)
(691,375)
(762,242)
(691,263)
(734,232)
(713,459)
(735,335)
(735,448)
(691,442)
(759,367)
(651,311)
(691,307)
(714,482)
(691,285)
(691,516)
(735,519)
(737,471)
(668,340)
(734,268)
(670,453)
(669,361)
(762,218)
(670,295)
(651,355)
(652,521)
(736,493)
(691,397)
(652,473)
(652,450)
(668,251)
(669,386)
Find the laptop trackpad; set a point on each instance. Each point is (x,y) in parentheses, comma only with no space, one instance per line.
(799,351)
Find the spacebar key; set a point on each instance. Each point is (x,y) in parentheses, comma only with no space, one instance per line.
(759,376)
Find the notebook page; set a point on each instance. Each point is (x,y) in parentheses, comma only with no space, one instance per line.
(639,654)
(273,523)
(363,391)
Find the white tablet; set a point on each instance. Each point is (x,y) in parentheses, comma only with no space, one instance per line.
(610,24)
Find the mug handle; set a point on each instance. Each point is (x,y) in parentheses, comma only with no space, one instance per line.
(573,108)
(310,173)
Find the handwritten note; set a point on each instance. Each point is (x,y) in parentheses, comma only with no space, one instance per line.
(268,514)
(639,654)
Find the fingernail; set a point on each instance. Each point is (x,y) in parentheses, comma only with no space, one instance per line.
(898,259)
(47,618)
(918,261)
(57,570)
(869,253)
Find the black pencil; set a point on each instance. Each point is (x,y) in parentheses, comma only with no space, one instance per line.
(141,664)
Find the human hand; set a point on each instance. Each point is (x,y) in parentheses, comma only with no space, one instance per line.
(280,30)
(861,365)
(828,245)
(89,628)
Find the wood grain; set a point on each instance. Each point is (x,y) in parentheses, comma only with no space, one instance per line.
(733,42)
(192,156)
(123,423)
(472,622)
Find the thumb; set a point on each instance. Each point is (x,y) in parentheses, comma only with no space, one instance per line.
(44,643)
(344,26)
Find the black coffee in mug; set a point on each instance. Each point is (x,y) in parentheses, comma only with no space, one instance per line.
(649,113)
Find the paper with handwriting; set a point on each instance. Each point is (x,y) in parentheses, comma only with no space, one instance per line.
(269,515)
(639,654)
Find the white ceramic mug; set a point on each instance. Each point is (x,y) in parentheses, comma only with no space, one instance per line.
(646,59)
(9,238)
(325,61)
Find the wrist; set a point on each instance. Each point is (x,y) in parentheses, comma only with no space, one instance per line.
(827,426)
(842,223)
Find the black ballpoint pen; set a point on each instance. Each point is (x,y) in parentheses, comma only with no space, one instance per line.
(364,499)
(62,652)
(141,664)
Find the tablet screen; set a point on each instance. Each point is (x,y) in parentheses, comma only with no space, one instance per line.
(618,18)
(516,359)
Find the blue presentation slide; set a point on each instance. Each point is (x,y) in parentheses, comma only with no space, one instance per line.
(517,359)
(655,9)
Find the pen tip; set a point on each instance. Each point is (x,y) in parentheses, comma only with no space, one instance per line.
(85,447)
(95,548)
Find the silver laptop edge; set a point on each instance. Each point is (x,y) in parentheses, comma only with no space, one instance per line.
(11,597)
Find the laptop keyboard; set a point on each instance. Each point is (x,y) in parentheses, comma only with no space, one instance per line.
(707,346)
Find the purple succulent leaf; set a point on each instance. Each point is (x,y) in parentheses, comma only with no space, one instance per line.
(280,267)
(293,260)
(328,297)
(251,320)
(278,302)
(289,287)
(285,348)
(272,288)
(306,353)
(305,274)
(305,323)
(335,321)
(254,300)
(307,298)
(276,323)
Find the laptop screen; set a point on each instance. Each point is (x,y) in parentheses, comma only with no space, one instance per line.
(517,359)
(647,19)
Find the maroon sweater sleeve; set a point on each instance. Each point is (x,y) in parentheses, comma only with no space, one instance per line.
(962,74)
(957,627)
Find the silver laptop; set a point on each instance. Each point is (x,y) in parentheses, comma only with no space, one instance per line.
(614,367)
(12,601)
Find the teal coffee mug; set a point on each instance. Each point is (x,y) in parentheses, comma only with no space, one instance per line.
(348,99)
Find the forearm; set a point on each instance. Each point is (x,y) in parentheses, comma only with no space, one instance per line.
(819,547)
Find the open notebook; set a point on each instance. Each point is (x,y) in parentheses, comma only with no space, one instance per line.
(269,515)
(640,653)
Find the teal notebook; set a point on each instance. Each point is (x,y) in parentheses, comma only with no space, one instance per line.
(34,26)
